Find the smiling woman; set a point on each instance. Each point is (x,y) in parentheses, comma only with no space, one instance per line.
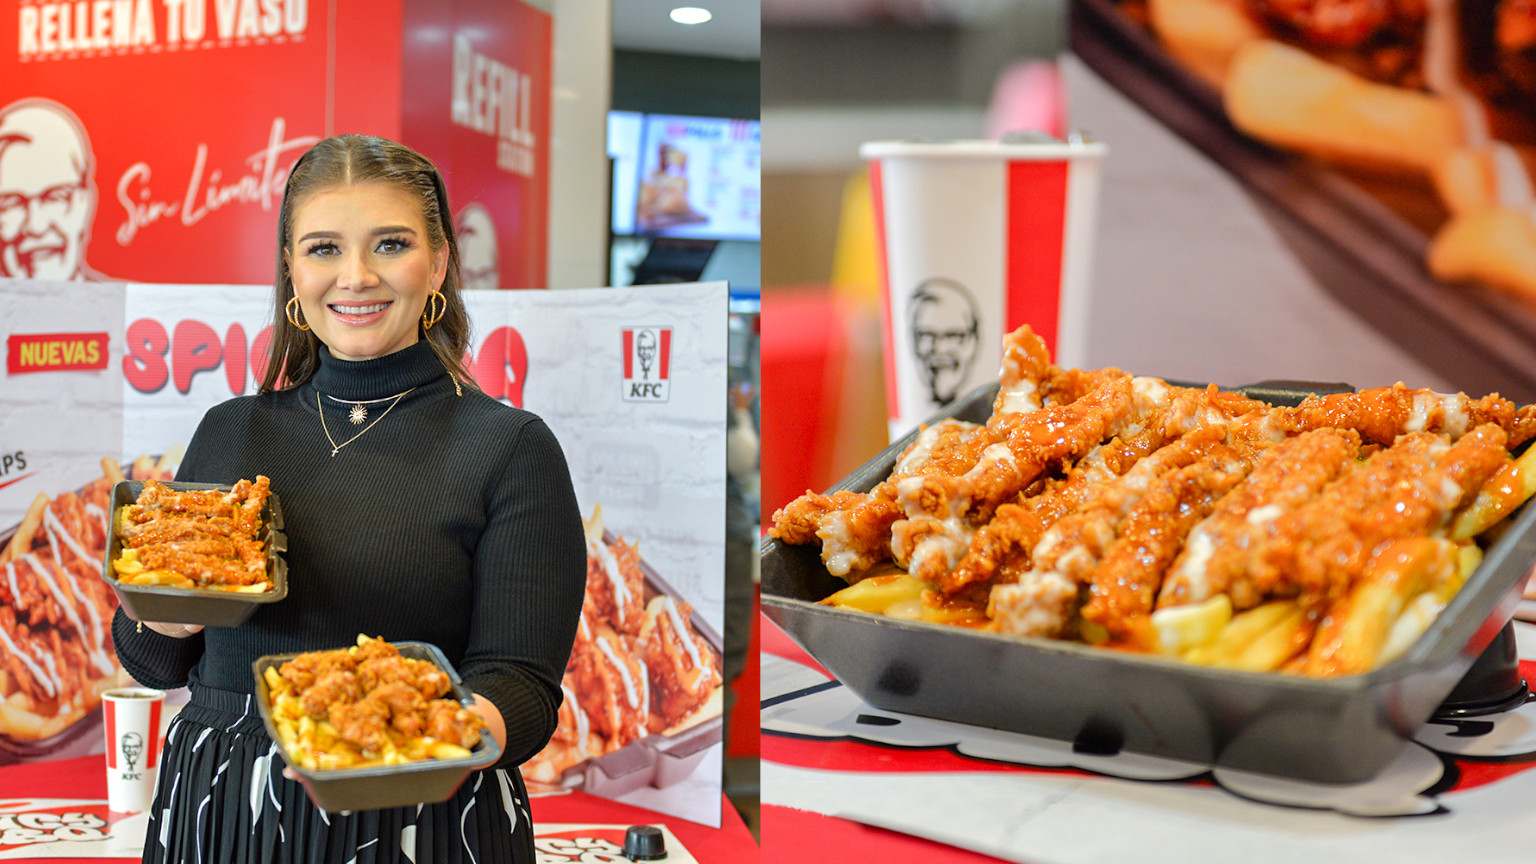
(416,507)
(362,270)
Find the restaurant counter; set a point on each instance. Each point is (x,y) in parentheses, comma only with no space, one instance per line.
(840,775)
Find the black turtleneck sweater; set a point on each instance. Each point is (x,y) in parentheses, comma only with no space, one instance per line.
(451,521)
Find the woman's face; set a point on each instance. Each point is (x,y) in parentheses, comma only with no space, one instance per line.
(362,269)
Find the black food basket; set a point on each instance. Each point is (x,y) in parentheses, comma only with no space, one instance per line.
(208,607)
(1327,730)
(374,787)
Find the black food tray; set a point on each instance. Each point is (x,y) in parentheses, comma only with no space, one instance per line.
(657,760)
(1362,251)
(208,607)
(1328,730)
(374,787)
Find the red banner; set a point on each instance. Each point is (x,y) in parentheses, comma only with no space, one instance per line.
(106,172)
(55,352)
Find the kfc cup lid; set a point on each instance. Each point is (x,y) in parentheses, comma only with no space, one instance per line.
(1013,145)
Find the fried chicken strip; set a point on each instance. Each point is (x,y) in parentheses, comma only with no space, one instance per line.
(1382,414)
(1408,489)
(1041,602)
(1216,551)
(1127,579)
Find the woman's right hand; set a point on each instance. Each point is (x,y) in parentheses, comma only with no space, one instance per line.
(175,631)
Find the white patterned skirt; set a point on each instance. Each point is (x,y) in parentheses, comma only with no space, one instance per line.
(222,797)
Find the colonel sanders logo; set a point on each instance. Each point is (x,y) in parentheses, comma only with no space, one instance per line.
(132,745)
(647,364)
(944,329)
(47,192)
(477,248)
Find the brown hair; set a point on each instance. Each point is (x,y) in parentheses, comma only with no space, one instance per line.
(345,160)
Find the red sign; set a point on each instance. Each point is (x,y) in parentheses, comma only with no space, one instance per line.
(479,107)
(55,352)
(108,173)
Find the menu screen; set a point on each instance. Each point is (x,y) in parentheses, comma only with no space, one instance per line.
(676,176)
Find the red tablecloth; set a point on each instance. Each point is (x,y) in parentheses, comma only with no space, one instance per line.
(85,779)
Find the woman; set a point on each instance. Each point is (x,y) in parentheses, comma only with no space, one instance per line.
(416,508)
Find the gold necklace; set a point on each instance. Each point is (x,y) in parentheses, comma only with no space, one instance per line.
(359,411)
(336,448)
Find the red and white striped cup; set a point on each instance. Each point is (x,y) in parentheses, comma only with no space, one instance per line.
(976,238)
(132,718)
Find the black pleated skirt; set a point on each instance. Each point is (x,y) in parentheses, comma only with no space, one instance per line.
(222,797)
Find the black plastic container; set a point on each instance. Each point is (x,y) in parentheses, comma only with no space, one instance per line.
(209,607)
(1328,730)
(370,788)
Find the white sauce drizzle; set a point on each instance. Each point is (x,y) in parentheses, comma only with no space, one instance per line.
(583,725)
(1020,398)
(837,551)
(51,684)
(1193,563)
(97,657)
(1263,515)
(1037,605)
(630,690)
(610,564)
(57,532)
(682,633)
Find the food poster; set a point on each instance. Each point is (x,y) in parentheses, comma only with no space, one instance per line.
(106,173)
(1410,123)
(61,431)
(633,383)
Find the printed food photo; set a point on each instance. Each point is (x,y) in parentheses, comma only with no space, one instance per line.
(55,612)
(1391,145)
(643,686)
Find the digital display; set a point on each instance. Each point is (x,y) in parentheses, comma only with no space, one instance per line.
(676,176)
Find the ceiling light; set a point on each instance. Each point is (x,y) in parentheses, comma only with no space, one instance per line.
(690,15)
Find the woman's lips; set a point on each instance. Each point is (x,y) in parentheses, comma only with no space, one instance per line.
(359,314)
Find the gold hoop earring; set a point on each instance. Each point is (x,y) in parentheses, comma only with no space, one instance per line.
(293,311)
(437,305)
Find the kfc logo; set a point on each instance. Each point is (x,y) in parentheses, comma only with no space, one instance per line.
(944,336)
(47,192)
(132,745)
(647,361)
(477,248)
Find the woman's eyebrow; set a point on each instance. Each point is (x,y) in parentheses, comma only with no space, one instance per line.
(381,230)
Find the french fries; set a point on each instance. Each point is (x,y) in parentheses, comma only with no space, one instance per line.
(1424,116)
(314,742)
(899,595)
(160,531)
(1288,97)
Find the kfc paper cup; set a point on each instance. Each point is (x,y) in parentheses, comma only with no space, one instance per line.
(132,719)
(975,239)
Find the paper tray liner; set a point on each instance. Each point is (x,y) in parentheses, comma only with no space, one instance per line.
(429,781)
(209,607)
(1338,730)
